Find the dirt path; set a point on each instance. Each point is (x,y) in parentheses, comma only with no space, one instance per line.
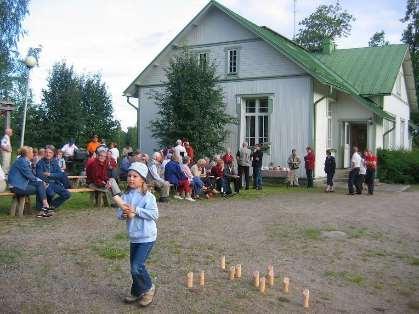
(77,262)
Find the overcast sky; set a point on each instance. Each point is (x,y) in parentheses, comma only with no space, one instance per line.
(119,38)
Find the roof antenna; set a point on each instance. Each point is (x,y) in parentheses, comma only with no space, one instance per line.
(295,12)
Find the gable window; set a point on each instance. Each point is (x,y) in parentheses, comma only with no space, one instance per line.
(257,121)
(232,60)
(203,59)
(329,124)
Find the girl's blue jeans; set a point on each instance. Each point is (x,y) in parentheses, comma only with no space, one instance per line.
(141,281)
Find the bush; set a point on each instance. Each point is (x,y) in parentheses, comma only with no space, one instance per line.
(398,166)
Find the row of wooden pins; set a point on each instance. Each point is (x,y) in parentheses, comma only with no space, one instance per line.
(260,282)
(189,279)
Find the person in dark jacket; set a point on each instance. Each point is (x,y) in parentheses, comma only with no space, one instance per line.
(257,167)
(174,174)
(22,180)
(50,172)
(329,168)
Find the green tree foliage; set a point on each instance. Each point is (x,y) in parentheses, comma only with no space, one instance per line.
(12,13)
(73,106)
(378,40)
(191,106)
(411,35)
(131,137)
(328,22)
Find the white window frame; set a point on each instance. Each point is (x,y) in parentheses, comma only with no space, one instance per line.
(200,55)
(329,125)
(402,132)
(232,69)
(257,114)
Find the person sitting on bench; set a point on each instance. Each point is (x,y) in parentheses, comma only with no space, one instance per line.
(98,179)
(50,172)
(23,182)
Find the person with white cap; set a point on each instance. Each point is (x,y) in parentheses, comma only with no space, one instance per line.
(141,213)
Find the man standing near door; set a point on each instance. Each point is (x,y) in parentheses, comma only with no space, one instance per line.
(354,178)
(243,161)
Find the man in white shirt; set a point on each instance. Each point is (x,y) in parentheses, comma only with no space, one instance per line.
(354,177)
(115,151)
(69,149)
(6,150)
(155,179)
(180,150)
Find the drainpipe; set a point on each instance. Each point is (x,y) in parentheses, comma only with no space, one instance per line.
(387,132)
(314,114)
(137,108)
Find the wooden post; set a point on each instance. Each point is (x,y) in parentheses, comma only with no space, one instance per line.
(21,205)
(256,279)
(14,206)
(231,272)
(238,271)
(223,262)
(189,281)
(262,285)
(306,295)
(202,278)
(286,284)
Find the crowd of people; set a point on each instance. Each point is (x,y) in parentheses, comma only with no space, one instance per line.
(172,167)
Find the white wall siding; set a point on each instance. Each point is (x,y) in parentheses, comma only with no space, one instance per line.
(148,112)
(290,125)
(321,137)
(400,110)
(214,27)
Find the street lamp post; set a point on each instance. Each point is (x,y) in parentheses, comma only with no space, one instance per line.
(30,62)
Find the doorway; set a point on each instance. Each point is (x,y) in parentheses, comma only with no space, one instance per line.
(354,134)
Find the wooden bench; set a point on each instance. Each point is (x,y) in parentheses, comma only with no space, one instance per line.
(23,203)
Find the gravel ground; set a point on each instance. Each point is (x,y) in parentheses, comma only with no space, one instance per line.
(77,261)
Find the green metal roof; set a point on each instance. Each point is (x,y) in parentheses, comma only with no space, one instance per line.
(371,70)
(308,61)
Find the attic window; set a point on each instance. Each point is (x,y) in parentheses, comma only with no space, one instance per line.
(232,61)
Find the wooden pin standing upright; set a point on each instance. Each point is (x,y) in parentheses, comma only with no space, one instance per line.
(189,281)
(232,272)
(271,275)
(256,279)
(223,262)
(306,298)
(286,283)
(202,278)
(238,273)
(262,284)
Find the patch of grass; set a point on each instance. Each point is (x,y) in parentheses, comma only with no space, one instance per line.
(414,305)
(356,232)
(345,276)
(121,236)
(312,233)
(9,256)
(113,253)
(413,188)
(414,261)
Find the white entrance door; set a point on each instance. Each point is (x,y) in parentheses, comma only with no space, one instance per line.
(346,145)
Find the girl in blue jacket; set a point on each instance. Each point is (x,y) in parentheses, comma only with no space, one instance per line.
(140,212)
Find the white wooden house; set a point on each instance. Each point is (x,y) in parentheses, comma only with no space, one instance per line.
(284,95)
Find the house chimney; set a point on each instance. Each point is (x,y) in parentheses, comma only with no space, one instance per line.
(328,46)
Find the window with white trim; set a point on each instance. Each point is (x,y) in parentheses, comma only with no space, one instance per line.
(402,132)
(257,121)
(203,59)
(232,60)
(329,124)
